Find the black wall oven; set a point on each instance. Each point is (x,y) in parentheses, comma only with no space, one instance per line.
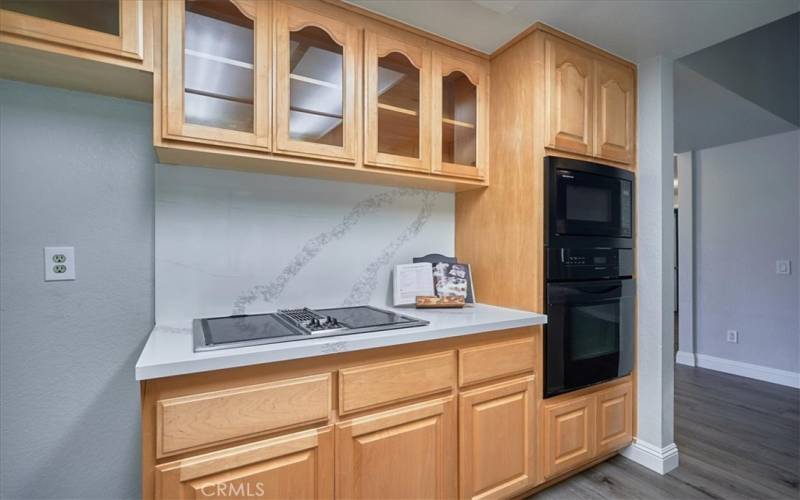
(590,293)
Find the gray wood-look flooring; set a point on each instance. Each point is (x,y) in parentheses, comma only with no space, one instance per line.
(737,438)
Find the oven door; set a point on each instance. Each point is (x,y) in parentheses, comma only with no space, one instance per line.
(589,333)
(589,204)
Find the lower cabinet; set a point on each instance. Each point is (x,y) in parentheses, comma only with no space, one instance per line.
(614,418)
(295,466)
(497,443)
(407,452)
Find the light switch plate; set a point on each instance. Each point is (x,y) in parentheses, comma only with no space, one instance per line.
(783,267)
(59,263)
(732,336)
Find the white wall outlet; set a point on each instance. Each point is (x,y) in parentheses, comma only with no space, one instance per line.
(59,263)
(733,337)
(783,267)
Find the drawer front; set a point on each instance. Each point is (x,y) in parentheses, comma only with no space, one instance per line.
(486,362)
(190,422)
(368,386)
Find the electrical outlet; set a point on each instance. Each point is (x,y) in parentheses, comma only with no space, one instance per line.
(59,263)
(783,267)
(733,336)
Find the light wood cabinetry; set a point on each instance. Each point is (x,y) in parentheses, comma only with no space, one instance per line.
(296,466)
(460,138)
(614,418)
(497,439)
(568,435)
(230,39)
(397,103)
(499,359)
(615,111)
(409,452)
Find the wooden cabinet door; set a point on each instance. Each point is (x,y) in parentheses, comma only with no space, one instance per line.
(408,452)
(297,466)
(109,28)
(497,443)
(615,113)
(568,435)
(568,89)
(614,418)
(460,117)
(229,40)
(315,84)
(397,93)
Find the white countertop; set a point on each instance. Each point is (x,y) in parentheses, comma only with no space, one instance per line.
(169,349)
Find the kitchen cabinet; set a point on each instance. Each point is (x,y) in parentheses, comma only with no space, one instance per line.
(315,84)
(408,452)
(615,122)
(397,102)
(460,117)
(229,39)
(497,439)
(614,418)
(569,429)
(297,466)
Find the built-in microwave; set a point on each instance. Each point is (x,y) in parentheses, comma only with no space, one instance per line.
(587,204)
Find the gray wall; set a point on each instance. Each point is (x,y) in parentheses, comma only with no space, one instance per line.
(75,170)
(746,218)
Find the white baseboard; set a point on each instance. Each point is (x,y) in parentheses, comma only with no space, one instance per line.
(661,460)
(685,358)
(758,372)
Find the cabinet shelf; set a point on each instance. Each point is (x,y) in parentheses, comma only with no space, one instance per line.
(215,95)
(315,112)
(313,81)
(458,123)
(219,59)
(397,109)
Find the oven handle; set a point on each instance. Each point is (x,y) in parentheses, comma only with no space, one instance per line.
(596,291)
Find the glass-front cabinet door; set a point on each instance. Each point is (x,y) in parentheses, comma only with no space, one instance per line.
(217,72)
(397,93)
(460,118)
(315,84)
(109,27)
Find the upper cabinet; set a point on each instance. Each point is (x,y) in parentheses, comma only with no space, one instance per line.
(590,100)
(216,72)
(397,103)
(615,125)
(460,117)
(315,89)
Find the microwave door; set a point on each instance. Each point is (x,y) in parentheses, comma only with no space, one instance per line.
(592,205)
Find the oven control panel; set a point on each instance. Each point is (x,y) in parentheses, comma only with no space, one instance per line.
(588,263)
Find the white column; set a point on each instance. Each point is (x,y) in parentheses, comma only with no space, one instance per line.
(686,344)
(654,446)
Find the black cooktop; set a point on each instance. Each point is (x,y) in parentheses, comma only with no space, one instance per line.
(294,324)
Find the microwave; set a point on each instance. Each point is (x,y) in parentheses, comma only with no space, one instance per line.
(587,204)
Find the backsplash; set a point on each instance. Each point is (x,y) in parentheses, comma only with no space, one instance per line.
(234,243)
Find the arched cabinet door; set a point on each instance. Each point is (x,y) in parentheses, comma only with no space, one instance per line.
(216,72)
(460,117)
(397,94)
(615,125)
(568,90)
(315,84)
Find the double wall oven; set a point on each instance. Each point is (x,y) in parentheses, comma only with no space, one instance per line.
(590,291)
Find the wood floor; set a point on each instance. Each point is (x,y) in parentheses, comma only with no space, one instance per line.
(737,438)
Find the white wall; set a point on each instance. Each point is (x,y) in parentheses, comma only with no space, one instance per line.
(747,216)
(234,242)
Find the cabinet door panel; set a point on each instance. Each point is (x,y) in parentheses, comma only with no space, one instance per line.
(227,39)
(460,117)
(315,84)
(569,435)
(568,87)
(615,114)
(409,452)
(614,418)
(297,466)
(496,435)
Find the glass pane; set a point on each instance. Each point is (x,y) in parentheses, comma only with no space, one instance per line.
(315,87)
(595,331)
(96,15)
(398,106)
(218,66)
(459,109)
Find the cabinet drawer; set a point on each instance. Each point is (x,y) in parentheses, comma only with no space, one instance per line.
(487,362)
(368,386)
(189,422)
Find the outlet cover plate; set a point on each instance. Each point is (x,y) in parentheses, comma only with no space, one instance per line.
(59,263)
(783,267)
(733,336)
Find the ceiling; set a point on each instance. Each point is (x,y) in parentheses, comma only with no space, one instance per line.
(633,29)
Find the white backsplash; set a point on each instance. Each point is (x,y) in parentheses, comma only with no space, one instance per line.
(233,242)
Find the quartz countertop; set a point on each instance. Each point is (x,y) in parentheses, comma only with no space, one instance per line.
(169,349)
